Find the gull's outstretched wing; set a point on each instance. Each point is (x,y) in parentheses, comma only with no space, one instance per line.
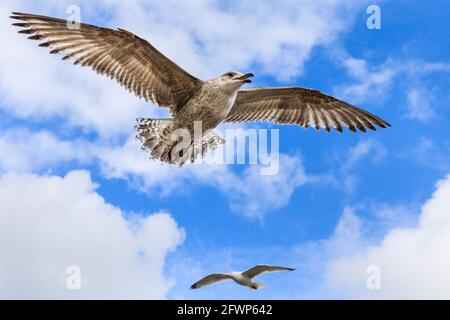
(212,278)
(257,270)
(119,54)
(300,106)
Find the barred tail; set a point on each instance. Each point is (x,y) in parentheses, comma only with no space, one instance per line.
(160,142)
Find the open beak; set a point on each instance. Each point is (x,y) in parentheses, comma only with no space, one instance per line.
(246,78)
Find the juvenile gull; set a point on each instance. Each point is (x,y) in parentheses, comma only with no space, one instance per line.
(242,278)
(143,70)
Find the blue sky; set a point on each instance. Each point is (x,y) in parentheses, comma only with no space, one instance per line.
(339,199)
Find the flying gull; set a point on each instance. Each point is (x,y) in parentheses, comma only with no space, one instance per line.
(242,278)
(143,70)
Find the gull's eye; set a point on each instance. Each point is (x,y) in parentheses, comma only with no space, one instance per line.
(230,74)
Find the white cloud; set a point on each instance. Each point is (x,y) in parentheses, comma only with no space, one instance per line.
(365,151)
(48,223)
(430,153)
(419,104)
(249,193)
(372,83)
(218,36)
(23,151)
(253,194)
(365,148)
(414,261)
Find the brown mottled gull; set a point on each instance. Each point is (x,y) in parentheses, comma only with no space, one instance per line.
(143,70)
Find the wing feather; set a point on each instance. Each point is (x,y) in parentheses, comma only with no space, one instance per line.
(119,54)
(211,279)
(259,269)
(304,107)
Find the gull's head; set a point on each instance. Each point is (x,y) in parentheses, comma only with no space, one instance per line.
(233,80)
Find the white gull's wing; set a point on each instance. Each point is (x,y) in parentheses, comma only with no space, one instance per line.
(212,278)
(257,270)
